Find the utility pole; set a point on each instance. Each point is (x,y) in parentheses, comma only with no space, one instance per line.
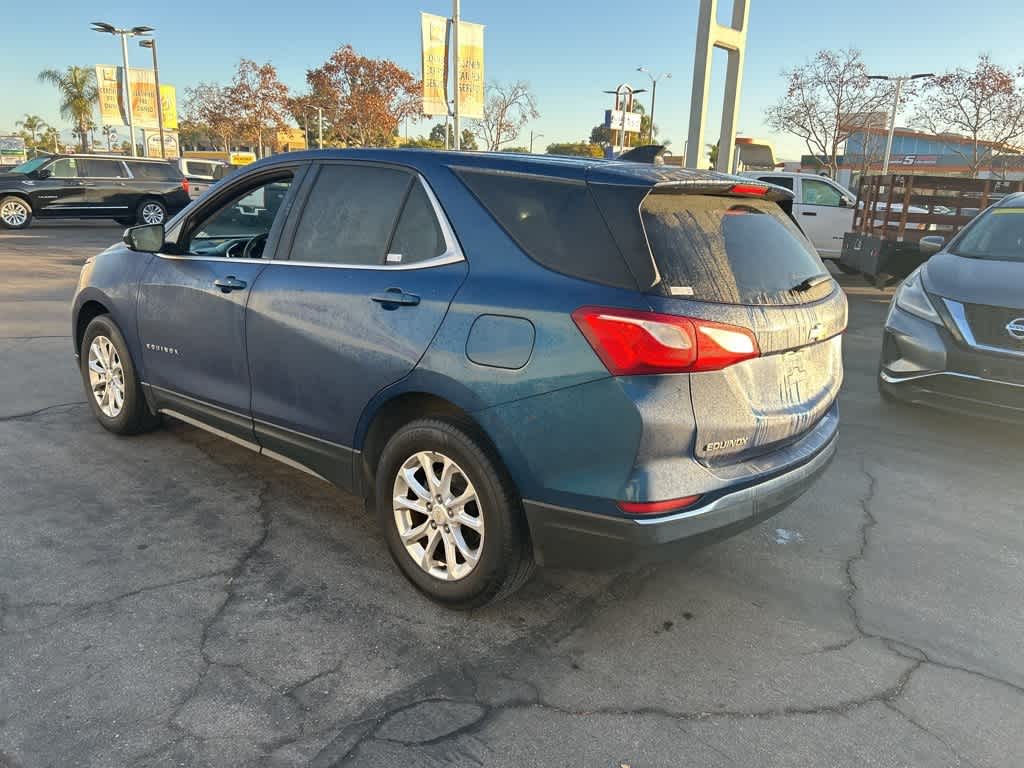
(151,44)
(899,80)
(124,34)
(654,94)
(456,12)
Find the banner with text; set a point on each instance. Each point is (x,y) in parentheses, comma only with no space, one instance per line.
(434,30)
(471,70)
(142,87)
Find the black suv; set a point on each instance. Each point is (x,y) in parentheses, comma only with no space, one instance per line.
(128,190)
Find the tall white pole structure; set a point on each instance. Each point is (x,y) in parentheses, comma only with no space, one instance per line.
(733,39)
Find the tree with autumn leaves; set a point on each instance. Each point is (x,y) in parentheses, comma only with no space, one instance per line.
(363,99)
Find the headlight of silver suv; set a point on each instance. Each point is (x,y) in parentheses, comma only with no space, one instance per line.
(911,297)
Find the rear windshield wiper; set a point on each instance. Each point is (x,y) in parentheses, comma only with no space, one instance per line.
(810,282)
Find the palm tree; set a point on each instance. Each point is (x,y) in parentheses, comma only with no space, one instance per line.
(33,125)
(713,154)
(77,88)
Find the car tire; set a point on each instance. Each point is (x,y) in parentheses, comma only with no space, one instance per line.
(498,542)
(151,212)
(111,383)
(15,212)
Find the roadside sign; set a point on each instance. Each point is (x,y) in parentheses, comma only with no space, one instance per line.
(613,120)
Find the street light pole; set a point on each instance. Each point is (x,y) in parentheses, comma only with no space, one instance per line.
(124,34)
(151,44)
(899,80)
(456,13)
(654,94)
(532,137)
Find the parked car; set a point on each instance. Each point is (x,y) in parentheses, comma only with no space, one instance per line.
(823,208)
(129,190)
(954,336)
(517,359)
(202,174)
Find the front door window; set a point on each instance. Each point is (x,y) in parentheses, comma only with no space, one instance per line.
(240,228)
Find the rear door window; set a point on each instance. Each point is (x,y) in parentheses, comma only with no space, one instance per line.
(780,181)
(418,236)
(95,168)
(151,171)
(731,250)
(350,215)
(555,221)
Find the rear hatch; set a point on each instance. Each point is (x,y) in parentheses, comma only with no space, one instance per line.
(742,261)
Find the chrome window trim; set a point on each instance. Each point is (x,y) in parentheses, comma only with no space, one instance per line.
(452,255)
(956,311)
(890,379)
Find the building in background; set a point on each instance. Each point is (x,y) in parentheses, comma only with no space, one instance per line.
(916,152)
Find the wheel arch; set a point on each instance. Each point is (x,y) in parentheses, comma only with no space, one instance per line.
(88,311)
(387,415)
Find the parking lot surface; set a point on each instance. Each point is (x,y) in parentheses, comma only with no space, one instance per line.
(172,599)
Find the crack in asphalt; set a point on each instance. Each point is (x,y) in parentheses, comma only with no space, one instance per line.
(38,411)
(960,758)
(232,573)
(76,610)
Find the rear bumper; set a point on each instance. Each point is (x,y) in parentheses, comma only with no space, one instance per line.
(575,539)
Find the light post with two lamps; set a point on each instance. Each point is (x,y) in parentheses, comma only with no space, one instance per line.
(654,78)
(124,34)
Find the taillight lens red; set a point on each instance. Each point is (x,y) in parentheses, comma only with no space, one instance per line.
(657,507)
(635,343)
(184,185)
(750,190)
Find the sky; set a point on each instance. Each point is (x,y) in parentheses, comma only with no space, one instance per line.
(569,51)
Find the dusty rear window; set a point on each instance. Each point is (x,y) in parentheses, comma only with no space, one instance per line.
(731,250)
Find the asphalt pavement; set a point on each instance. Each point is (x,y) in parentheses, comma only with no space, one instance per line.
(173,599)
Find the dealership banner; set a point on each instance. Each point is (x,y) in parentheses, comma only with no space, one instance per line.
(151,141)
(434,31)
(108,83)
(471,70)
(142,87)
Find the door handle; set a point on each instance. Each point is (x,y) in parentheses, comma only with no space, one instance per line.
(229,284)
(808,213)
(396,297)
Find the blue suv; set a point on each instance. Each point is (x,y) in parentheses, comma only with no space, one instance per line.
(515,360)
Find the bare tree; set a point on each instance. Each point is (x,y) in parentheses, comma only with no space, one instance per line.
(507,109)
(827,100)
(210,109)
(984,104)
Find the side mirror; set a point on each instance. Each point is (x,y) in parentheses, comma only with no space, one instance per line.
(931,244)
(148,238)
(845,202)
(43,173)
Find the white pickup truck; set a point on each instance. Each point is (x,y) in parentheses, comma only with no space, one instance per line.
(822,208)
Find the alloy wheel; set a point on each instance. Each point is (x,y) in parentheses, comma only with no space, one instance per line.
(152,213)
(438,516)
(106,376)
(14,213)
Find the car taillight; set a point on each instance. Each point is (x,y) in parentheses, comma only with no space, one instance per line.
(184,185)
(657,507)
(749,190)
(634,343)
